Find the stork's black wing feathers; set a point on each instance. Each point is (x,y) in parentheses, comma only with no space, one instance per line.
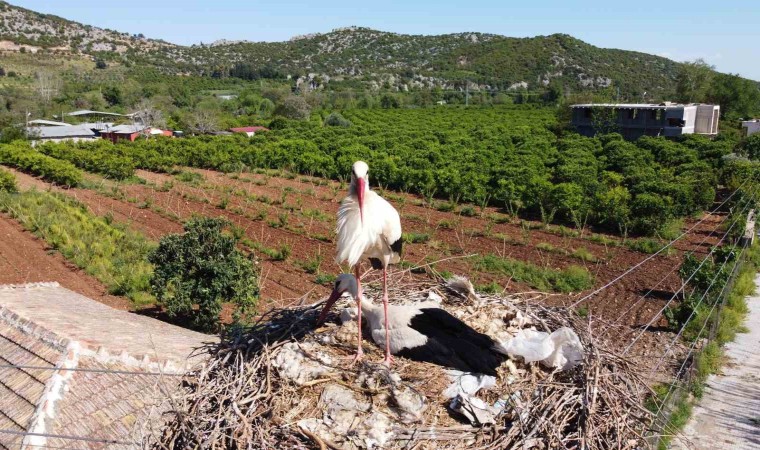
(376,263)
(396,246)
(452,343)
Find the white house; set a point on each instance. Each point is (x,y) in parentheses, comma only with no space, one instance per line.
(634,120)
(752,126)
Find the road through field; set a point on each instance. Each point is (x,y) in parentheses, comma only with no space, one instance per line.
(728,416)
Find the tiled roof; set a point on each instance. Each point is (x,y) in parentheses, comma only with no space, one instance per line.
(21,389)
(43,325)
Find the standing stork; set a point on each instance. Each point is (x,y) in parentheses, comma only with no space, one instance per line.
(422,332)
(368,227)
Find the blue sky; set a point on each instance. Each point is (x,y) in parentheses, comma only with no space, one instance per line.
(724,33)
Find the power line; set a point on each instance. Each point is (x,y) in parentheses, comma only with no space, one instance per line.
(668,245)
(674,269)
(694,309)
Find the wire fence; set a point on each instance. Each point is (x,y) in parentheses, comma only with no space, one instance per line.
(682,385)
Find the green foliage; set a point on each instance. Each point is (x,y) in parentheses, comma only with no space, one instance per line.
(294,107)
(21,155)
(202,268)
(92,157)
(112,254)
(415,238)
(570,279)
(7,181)
(337,120)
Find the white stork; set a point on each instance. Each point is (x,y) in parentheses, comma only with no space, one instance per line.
(368,227)
(422,333)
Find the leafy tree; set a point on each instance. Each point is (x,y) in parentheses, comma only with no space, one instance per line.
(751,146)
(693,81)
(613,208)
(388,101)
(113,95)
(294,107)
(199,270)
(337,120)
(736,96)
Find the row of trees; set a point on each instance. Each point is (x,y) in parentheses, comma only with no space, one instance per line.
(503,156)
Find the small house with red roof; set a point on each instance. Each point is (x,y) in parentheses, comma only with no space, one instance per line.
(249,131)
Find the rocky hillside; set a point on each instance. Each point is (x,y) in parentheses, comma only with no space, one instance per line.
(362,57)
(20,27)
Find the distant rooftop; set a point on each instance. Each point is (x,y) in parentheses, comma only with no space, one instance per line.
(60,132)
(48,123)
(89,112)
(664,105)
(126,129)
(248,129)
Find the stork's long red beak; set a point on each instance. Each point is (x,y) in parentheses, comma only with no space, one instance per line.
(360,196)
(328,304)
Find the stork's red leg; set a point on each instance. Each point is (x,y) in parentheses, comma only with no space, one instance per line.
(359,351)
(388,358)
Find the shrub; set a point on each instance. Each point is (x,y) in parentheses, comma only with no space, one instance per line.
(584,254)
(7,181)
(337,120)
(202,268)
(468,211)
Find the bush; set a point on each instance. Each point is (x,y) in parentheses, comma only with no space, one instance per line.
(7,181)
(97,157)
(294,108)
(337,120)
(199,270)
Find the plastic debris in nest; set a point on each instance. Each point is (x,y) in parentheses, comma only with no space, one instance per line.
(561,349)
(294,364)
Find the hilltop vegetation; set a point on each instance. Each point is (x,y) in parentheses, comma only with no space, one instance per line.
(362,58)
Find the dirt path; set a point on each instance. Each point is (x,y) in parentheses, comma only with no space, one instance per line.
(26,259)
(728,416)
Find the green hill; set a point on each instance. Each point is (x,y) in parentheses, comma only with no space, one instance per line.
(362,58)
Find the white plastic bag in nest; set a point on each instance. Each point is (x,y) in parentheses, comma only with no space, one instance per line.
(562,349)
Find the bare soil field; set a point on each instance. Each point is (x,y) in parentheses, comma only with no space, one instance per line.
(297,214)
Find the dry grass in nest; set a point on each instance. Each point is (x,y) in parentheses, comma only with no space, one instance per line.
(238,399)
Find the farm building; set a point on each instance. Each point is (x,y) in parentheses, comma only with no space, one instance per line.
(634,120)
(60,133)
(752,126)
(124,132)
(249,131)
